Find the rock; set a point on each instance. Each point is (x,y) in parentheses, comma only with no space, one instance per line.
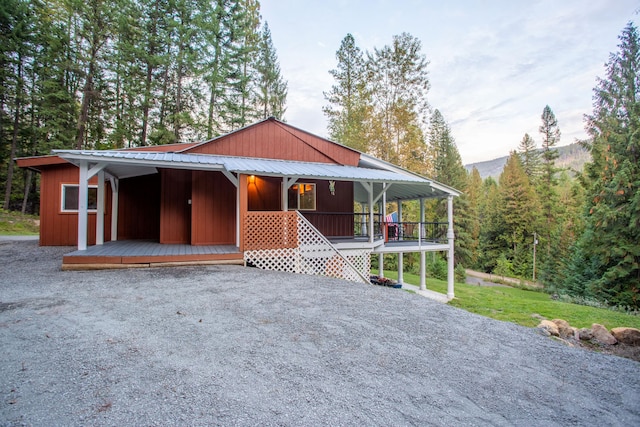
(602,335)
(564,329)
(585,334)
(630,336)
(549,327)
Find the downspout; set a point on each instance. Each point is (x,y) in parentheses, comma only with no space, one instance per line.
(423,267)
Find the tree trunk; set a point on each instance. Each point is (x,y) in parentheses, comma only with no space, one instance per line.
(27,190)
(14,139)
(86,99)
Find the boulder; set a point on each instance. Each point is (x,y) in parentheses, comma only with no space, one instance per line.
(550,327)
(602,335)
(585,334)
(630,336)
(564,329)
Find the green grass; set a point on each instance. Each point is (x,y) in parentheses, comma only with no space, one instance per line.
(518,305)
(15,224)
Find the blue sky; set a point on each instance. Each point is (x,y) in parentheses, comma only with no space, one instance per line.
(494,65)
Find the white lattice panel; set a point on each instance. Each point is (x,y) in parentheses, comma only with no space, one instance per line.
(314,255)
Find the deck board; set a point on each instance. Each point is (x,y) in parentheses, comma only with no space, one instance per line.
(148,251)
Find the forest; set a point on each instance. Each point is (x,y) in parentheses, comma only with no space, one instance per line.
(123,73)
(101,74)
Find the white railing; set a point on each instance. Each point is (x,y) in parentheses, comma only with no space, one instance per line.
(304,250)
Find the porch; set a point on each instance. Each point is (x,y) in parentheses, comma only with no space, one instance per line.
(149,253)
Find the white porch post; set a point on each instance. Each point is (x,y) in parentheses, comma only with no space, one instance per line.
(370,190)
(423,267)
(450,238)
(83,194)
(400,254)
(100,210)
(115,182)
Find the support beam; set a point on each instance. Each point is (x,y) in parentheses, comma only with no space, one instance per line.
(451,239)
(115,183)
(83,195)
(423,263)
(100,209)
(287,182)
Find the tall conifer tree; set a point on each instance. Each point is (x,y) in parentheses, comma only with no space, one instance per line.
(606,261)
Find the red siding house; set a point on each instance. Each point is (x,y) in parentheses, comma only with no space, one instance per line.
(269,195)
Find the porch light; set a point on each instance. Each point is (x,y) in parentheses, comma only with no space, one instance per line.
(252,179)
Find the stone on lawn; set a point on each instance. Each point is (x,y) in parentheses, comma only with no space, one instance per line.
(549,327)
(630,336)
(564,329)
(602,335)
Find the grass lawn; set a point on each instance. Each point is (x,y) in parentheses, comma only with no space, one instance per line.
(517,305)
(15,224)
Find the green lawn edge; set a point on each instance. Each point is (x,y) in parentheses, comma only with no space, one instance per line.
(519,306)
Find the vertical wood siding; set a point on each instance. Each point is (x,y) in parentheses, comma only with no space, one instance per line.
(273,140)
(213,209)
(264,193)
(59,228)
(175,210)
(139,208)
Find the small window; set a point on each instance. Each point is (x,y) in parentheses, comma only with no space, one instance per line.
(70,194)
(302,196)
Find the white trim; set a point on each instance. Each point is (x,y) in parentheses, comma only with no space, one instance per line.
(62,198)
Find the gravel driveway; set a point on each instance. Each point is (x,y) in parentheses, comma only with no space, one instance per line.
(226,345)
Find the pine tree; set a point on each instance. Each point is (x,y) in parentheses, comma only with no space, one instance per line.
(474,195)
(607,257)
(491,224)
(518,215)
(530,157)
(271,87)
(448,169)
(349,99)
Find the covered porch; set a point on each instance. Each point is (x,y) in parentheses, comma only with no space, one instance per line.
(370,185)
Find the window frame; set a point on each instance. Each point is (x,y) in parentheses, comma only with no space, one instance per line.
(298,194)
(63,194)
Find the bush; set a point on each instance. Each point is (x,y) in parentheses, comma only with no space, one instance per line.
(460,273)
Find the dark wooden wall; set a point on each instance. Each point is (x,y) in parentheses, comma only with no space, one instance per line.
(139,208)
(59,228)
(265,193)
(340,204)
(175,210)
(213,212)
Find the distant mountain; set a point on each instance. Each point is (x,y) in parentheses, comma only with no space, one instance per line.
(572,157)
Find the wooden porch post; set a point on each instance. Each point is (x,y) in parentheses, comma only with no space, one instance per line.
(100,210)
(242,208)
(450,238)
(83,195)
(115,182)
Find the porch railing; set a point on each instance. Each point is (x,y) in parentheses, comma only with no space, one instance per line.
(345,224)
(427,232)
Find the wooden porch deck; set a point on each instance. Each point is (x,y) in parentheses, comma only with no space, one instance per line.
(149,253)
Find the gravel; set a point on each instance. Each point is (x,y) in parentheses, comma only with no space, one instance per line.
(227,345)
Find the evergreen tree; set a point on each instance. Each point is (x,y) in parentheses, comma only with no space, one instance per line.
(607,257)
(448,169)
(272,88)
(491,224)
(530,157)
(398,81)
(349,100)
(518,215)
(474,195)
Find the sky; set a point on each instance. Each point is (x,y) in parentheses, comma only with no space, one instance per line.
(493,65)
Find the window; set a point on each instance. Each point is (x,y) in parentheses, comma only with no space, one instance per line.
(70,194)
(302,196)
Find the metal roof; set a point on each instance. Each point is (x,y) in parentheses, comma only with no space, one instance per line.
(404,185)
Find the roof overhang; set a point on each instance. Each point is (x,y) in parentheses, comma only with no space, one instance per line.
(400,184)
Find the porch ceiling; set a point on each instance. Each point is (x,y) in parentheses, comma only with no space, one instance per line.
(402,185)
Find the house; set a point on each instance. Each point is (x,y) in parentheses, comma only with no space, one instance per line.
(269,195)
